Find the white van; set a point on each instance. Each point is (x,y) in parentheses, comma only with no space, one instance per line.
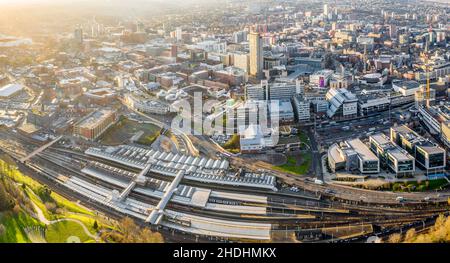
(318,181)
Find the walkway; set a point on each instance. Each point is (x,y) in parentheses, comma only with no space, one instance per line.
(40,149)
(41,217)
(156,214)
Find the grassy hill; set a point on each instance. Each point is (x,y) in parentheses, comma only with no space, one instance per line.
(31,212)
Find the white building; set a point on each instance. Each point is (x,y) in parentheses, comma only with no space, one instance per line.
(216,46)
(284,112)
(147,106)
(179,33)
(352,155)
(321,78)
(253,139)
(10,90)
(406,88)
(302,108)
(273,91)
(342,103)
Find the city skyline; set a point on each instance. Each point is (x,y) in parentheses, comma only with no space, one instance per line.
(230,121)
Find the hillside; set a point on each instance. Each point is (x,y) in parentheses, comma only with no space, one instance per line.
(32,213)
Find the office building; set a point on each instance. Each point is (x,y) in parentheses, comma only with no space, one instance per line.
(94,124)
(78,35)
(273,91)
(392,157)
(302,108)
(353,155)
(342,104)
(256,55)
(428,155)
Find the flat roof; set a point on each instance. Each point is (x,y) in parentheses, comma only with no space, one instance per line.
(362,150)
(407,84)
(94,118)
(390,148)
(400,155)
(431,149)
(381,139)
(10,89)
(418,140)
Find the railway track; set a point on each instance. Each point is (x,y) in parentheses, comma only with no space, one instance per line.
(282,214)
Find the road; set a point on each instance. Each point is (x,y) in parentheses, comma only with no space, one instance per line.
(191,148)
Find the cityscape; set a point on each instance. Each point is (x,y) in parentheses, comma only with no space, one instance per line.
(225,121)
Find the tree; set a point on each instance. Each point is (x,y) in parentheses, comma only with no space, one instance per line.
(395,187)
(16,209)
(50,206)
(410,235)
(395,238)
(95,225)
(328,61)
(132,233)
(4,199)
(2,230)
(148,236)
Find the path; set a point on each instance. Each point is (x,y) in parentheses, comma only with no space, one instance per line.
(41,217)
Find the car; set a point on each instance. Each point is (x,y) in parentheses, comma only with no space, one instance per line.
(400,199)
(318,181)
(294,189)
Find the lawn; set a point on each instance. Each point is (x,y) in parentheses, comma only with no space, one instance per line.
(17,176)
(292,166)
(60,201)
(59,232)
(124,129)
(303,137)
(70,206)
(87,220)
(14,225)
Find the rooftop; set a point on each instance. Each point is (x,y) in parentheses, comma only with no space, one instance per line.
(91,120)
(10,89)
(362,150)
(417,140)
(407,84)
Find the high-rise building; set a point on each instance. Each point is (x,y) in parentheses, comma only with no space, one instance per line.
(239,36)
(256,55)
(392,31)
(140,27)
(78,35)
(325,10)
(178,33)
